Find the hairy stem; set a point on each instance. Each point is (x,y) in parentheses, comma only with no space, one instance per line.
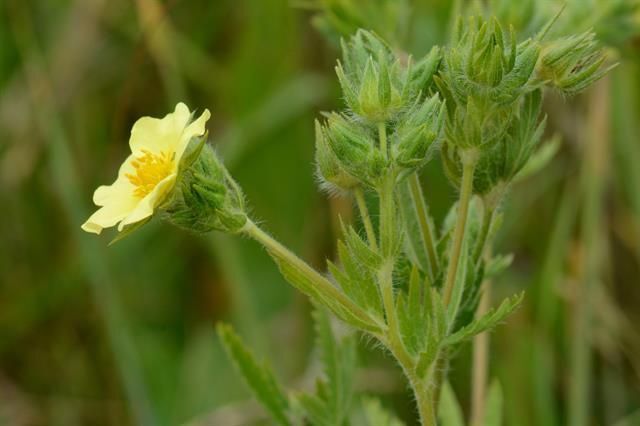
(366,219)
(487,219)
(480,366)
(424,393)
(466,192)
(393,339)
(319,281)
(417,197)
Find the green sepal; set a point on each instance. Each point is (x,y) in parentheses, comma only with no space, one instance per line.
(128,230)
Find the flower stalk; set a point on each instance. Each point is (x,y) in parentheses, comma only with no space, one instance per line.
(466,192)
(420,205)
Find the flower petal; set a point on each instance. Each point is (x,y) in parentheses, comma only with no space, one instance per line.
(159,134)
(195,128)
(147,205)
(110,214)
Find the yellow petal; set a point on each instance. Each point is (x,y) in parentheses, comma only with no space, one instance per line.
(196,128)
(156,135)
(147,205)
(110,214)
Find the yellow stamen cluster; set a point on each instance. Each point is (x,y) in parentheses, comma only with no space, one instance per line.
(150,169)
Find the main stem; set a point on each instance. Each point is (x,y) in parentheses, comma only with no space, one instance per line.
(423,221)
(421,388)
(466,191)
(480,366)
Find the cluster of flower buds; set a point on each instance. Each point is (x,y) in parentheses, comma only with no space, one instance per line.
(483,76)
(205,196)
(381,91)
(571,64)
(500,163)
(494,92)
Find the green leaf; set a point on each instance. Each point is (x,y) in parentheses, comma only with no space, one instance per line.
(459,286)
(324,296)
(357,277)
(413,312)
(540,158)
(331,403)
(449,411)
(486,322)
(376,415)
(497,265)
(493,414)
(339,357)
(413,241)
(258,377)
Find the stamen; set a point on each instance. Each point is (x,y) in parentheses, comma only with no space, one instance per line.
(150,169)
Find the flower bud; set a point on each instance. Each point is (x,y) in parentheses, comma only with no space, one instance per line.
(482,65)
(500,162)
(329,168)
(573,63)
(205,197)
(415,136)
(375,84)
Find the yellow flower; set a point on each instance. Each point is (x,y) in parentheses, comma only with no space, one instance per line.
(149,173)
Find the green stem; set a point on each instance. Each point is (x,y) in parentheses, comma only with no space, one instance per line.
(480,365)
(487,219)
(466,192)
(319,281)
(366,219)
(424,393)
(393,340)
(420,206)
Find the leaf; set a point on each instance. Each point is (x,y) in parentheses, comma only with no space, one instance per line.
(414,245)
(459,286)
(497,265)
(339,359)
(376,415)
(436,332)
(357,277)
(493,414)
(540,158)
(331,403)
(413,313)
(301,280)
(486,322)
(449,411)
(258,377)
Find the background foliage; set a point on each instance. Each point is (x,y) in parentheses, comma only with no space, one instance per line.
(91,334)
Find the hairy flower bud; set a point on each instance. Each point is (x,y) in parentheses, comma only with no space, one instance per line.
(416,135)
(205,197)
(499,163)
(482,65)
(375,83)
(573,63)
(330,170)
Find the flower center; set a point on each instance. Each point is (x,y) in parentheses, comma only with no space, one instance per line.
(150,169)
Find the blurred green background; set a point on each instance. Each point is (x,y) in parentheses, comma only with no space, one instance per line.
(98,335)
